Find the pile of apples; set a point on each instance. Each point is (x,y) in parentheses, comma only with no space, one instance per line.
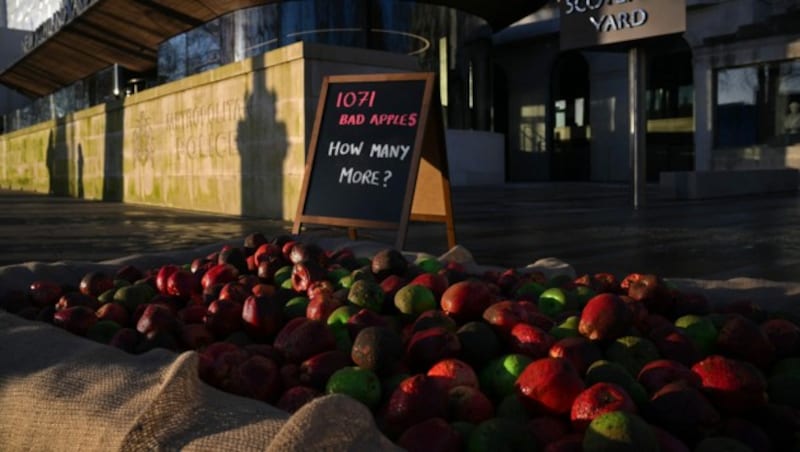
(448,360)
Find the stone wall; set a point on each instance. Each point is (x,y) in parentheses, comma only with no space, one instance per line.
(231,140)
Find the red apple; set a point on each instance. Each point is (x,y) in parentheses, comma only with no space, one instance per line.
(263,290)
(218,361)
(469,404)
(683,410)
(504,315)
(452,372)
(391,284)
(466,300)
(416,399)
(71,299)
(223,317)
(200,265)
(605,317)
(530,340)
(435,282)
(429,346)
(784,335)
(190,314)
(316,370)
(258,377)
(126,339)
(163,274)
(650,290)
(431,435)
(265,251)
(547,429)
(321,306)
(44,293)
(733,385)
(218,274)
(290,375)
(362,319)
(673,343)
(114,312)
(183,284)
(600,398)
(572,442)
(742,338)
(129,273)
(656,374)
(156,317)
(578,350)
(667,442)
(304,274)
(195,336)
(302,338)
(233,256)
(549,386)
(234,291)
(296,397)
(75,319)
(262,317)
(95,283)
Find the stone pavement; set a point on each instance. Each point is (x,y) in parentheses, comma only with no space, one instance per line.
(591,226)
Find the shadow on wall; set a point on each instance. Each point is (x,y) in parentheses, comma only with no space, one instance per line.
(58,159)
(81,192)
(263,146)
(112,152)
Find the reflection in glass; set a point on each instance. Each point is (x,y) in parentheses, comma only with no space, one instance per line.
(204,48)
(754,105)
(172,59)
(430,33)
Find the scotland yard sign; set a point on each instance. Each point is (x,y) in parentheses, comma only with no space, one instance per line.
(589,23)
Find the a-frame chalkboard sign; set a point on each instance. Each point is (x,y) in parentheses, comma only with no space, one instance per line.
(377,156)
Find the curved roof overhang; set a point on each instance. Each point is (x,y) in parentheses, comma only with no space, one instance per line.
(128,32)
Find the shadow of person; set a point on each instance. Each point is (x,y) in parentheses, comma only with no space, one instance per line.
(263,146)
(80,171)
(58,160)
(50,159)
(112,152)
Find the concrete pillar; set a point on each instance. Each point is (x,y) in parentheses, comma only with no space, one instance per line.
(703,112)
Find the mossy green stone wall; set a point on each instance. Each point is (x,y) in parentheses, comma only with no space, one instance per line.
(231,140)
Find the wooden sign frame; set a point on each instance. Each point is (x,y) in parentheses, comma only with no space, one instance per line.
(427,187)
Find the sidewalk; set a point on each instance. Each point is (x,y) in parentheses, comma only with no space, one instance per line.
(591,226)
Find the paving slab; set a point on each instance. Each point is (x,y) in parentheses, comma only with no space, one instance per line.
(592,226)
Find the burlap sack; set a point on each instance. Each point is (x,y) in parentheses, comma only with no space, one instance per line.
(60,392)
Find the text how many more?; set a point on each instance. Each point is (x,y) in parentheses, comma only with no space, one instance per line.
(378,151)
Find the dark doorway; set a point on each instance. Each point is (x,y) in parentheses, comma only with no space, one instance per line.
(500,108)
(670,109)
(570,158)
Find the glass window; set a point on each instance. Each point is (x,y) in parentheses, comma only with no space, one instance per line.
(788,102)
(172,59)
(204,48)
(405,27)
(758,104)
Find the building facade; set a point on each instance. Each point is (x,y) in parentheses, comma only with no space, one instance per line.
(718,95)
(724,94)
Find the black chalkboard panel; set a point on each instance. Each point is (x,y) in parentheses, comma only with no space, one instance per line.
(365,148)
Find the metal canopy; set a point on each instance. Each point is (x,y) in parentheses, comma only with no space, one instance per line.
(128,32)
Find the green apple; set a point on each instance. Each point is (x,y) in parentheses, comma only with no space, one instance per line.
(413,300)
(701,331)
(342,314)
(497,378)
(554,301)
(529,289)
(567,328)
